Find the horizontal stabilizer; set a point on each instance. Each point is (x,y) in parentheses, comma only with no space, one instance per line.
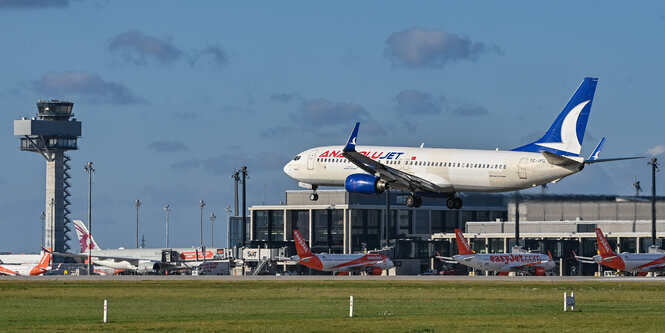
(561,160)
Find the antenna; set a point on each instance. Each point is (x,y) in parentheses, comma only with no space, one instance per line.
(638,187)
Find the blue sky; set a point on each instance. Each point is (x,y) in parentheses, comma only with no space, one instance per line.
(174,96)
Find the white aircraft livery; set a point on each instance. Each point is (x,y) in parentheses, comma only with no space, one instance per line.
(628,262)
(437,172)
(536,263)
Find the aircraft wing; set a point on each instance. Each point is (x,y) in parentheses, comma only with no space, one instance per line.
(397,179)
(586,260)
(520,266)
(359,266)
(132,260)
(448,260)
(5,271)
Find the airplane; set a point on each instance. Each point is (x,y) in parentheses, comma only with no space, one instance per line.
(373,263)
(443,173)
(537,263)
(628,262)
(42,267)
(141,261)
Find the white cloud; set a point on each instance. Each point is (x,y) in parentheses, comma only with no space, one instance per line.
(656,150)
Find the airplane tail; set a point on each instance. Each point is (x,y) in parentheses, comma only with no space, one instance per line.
(301,245)
(44,263)
(603,246)
(462,245)
(565,135)
(84,237)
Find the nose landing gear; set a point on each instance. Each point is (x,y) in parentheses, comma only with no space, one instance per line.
(314,196)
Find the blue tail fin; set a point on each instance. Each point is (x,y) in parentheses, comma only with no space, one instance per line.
(567,132)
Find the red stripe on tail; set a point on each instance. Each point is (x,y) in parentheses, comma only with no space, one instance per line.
(462,245)
(604,247)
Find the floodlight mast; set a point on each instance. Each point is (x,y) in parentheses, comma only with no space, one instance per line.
(137,204)
(88,168)
(201,205)
(654,169)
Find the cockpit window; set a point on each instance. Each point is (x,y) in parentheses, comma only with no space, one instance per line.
(296,158)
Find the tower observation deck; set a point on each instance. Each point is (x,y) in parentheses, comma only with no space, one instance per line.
(51,133)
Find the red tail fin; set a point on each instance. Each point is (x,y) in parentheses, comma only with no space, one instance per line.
(603,246)
(301,245)
(45,260)
(462,245)
(44,263)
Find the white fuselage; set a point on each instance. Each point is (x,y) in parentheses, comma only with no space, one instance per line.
(634,262)
(505,262)
(348,262)
(454,170)
(24,269)
(142,255)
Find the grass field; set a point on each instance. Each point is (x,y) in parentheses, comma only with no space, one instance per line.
(323,306)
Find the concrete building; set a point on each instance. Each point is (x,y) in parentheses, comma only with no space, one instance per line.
(342,222)
(565,223)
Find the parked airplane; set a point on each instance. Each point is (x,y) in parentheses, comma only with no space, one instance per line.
(500,262)
(374,263)
(43,266)
(629,262)
(139,260)
(437,172)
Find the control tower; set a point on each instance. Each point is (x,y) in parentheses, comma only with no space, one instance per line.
(51,133)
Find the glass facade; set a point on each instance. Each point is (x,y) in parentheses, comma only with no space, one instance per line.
(268,225)
(235,231)
(299,219)
(365,229)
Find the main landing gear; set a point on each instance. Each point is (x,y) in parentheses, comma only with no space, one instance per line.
(454,203)
(414,201)
(314,196)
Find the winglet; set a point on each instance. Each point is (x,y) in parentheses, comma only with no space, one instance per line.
(594,154)
(549,254)
(351,143)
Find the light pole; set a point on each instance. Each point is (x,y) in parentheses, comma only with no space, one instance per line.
(137,204)
(167,209)
(243,171)
(227,209)
(654,169)
(42,216)
(212,229)
(201,205)
(88,168)
(236,177)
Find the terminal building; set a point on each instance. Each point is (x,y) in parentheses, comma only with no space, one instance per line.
(343,222)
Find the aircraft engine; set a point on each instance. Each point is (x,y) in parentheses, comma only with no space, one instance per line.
(364,184)
(148,268)
(540,271)
(376,271)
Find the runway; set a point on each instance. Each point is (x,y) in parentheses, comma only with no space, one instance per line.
(428,278)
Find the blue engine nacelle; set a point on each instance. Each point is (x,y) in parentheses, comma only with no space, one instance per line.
(364,183)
